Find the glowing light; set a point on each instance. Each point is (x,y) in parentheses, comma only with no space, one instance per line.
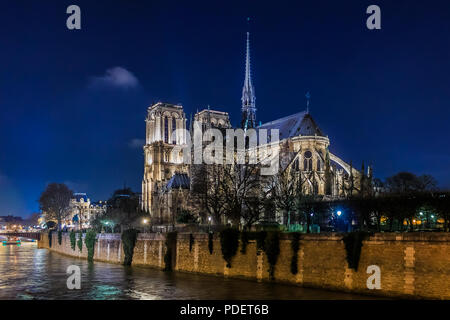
(339,213)
(421,213)
(145,221)
(209,218)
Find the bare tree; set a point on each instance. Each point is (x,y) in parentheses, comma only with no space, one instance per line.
(284,189)
(241,186)
(55,202)
(407,182)
(211,195)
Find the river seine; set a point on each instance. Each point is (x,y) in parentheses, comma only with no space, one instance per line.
(30,273)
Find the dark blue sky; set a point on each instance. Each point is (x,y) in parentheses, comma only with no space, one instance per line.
(382,96)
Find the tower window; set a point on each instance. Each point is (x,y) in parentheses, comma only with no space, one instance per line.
(166,130)
(174,127)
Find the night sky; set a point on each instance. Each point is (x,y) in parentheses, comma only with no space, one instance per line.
(73,103)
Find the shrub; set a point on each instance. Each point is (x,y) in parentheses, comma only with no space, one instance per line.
(80,241)
(295,245)
(171,239)
(89,241)
(272,250)
(353,243)
(59,237)
(191,241)
(210,242)
(73,240)
(229,242)
(129,238)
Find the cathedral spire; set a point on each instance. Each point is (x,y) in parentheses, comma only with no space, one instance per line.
(248,94)
(308,97)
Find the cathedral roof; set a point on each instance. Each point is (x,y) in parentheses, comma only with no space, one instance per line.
(294,125)
(179,180)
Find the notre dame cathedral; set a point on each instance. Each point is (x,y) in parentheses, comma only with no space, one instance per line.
(168,180)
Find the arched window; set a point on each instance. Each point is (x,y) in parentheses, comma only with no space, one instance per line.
(296,165)
(318,165)
(174,127)
(307,162)
(166,130)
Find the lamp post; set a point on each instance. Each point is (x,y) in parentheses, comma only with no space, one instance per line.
(339,222)
(145,222)
(209,223)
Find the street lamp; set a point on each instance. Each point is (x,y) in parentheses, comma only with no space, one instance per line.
(145,222)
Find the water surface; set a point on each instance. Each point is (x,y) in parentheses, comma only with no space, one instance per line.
(30,273)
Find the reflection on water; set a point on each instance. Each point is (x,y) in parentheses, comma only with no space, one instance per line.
(31,273)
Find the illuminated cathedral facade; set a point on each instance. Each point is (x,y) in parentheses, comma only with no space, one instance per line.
(168,180)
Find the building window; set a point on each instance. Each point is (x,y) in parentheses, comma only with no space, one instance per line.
(318,165)
(307,162)
(166,130)
(174,127)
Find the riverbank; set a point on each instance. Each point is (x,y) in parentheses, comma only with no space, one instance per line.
(412,265)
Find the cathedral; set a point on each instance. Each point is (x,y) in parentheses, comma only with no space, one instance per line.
(168,179)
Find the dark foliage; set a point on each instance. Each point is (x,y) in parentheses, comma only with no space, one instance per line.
(295,245)
(272,250)
(50,232)
(229,242)
(80,241)
(89,241)
(260,240)
(73,240)
(244,241)
(171,240)
(353,244)
(191,241)
(210,242)
(129,238)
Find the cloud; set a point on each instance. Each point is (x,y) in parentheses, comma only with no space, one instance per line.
(117,77)
(136,143)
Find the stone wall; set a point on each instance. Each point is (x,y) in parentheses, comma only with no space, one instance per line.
(412,265)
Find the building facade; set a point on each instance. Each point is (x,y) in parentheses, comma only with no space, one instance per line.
(306,150)
(82,210)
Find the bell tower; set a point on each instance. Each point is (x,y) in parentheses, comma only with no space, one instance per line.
(163,149)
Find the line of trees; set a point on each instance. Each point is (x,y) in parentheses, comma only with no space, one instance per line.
(238,194)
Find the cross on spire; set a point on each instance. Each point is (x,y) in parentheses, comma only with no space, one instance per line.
(308,97)
(248,94)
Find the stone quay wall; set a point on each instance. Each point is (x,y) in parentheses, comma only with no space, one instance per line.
(412,265)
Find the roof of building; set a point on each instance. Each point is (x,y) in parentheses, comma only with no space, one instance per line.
(79,195)
(212,112)
(179,180)
(294,125)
